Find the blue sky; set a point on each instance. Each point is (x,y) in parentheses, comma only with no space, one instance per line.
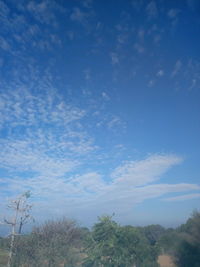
(100,108)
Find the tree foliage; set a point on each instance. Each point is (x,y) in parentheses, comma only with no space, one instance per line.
(187,252)
(153,233)
(107,244)
(183,243)
(115,246)
(54,243)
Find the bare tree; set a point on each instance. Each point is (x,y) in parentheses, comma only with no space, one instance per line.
(21,216)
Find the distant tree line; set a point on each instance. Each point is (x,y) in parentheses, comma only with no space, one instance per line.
(108,244)
(183,243)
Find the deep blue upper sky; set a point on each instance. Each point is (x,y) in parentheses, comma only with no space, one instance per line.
(100,108)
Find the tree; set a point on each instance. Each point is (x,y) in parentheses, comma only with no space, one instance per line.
(21,210)
(153,233)
(51,244)
(102,247)
(112,245)
(187,252)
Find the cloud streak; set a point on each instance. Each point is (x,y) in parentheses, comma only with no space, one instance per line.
(183,197)
(177,68)
(52,184)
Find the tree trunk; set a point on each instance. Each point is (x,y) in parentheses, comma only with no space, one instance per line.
(11,246)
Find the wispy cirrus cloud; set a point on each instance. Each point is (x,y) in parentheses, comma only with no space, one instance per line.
(160,73)
(105,96)
(172,13)
(45,11)
(18,29)
(177,68)
(4,44)
(121,195)
(81,16)
(20,107)
(190,74)
(114,58)
(143,172)
(131,183)
(151,9)
(45,147)
(139,48)
(183,197)
(78,15)
(25,156)
(41,135)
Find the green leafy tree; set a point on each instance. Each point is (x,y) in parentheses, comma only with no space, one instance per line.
(187,252)
(135,248)
(102,248)
(153,233)
(114,246)
(169,241)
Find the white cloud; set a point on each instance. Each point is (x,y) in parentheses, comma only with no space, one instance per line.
(191,74)
(44,135)
(4,10)
(122,38)
(4,44)
(29,33)
(128,196)
(90,193)
(151,83)
(183,197)
(40,11)
(190,78)
(152,10)
(87,74)
(22,108)
(105,96)
(143,172)
(44,11)
(172,13)
(114,122)
(193,84)
(87,3)
(177,68)
(139,48)
(114,58)
(160,73)
(78,15)
(91,182)
(21,156)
